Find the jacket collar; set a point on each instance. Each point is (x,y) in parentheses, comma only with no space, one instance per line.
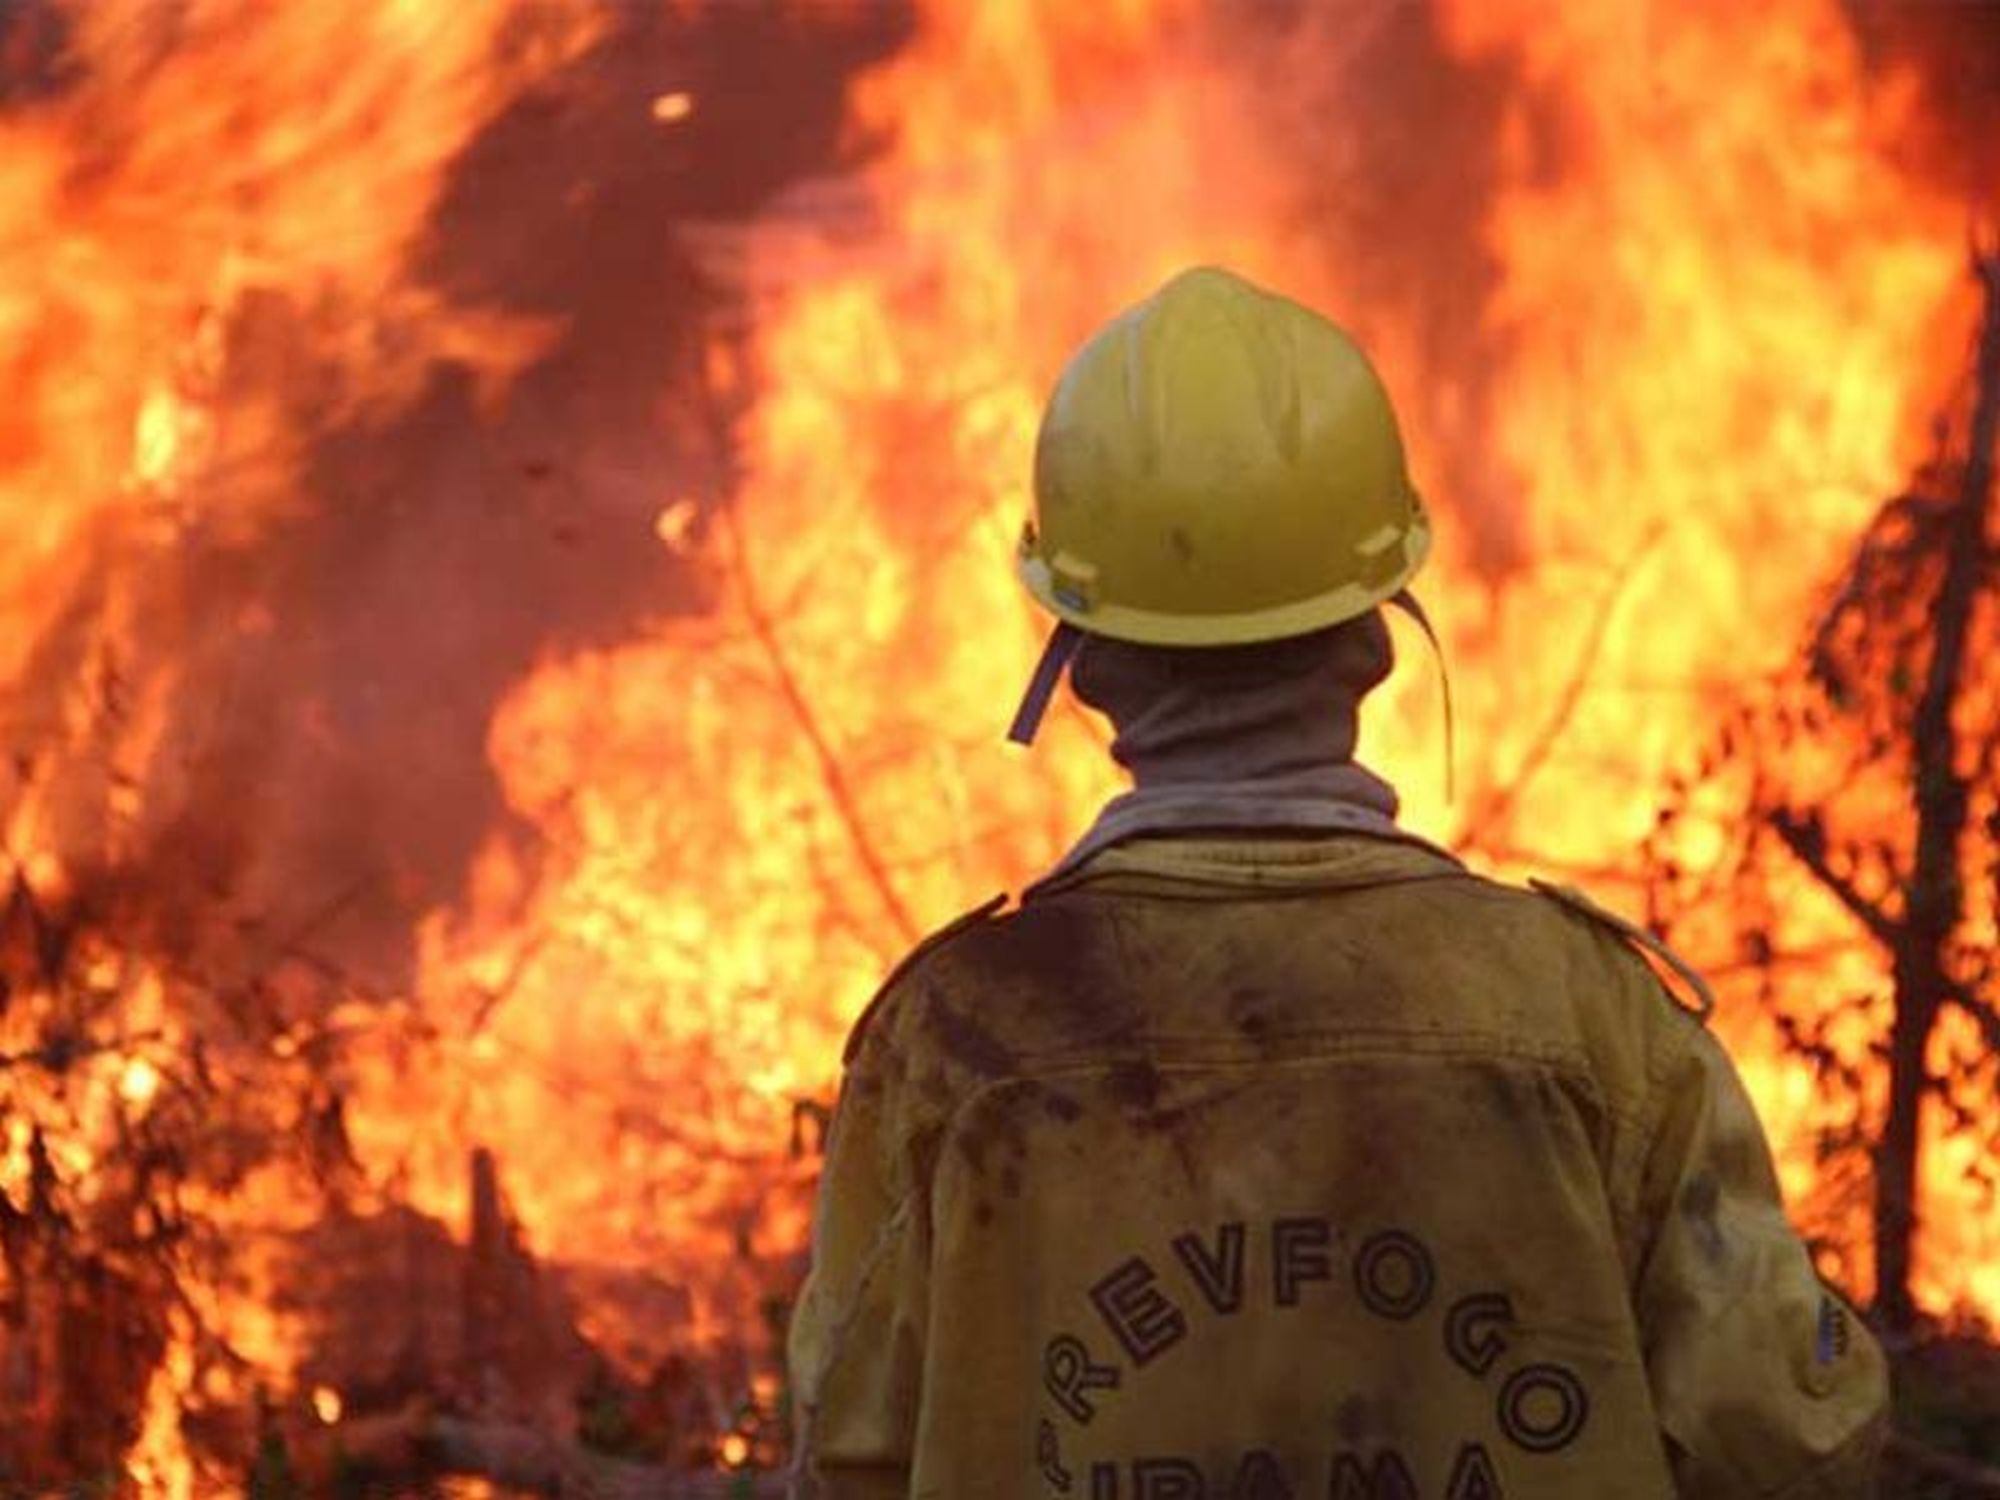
(1323,854)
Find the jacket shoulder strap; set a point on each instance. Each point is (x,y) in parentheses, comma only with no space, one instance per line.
(1649,945)
(981,913)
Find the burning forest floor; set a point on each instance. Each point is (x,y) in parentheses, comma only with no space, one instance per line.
(1946,1447)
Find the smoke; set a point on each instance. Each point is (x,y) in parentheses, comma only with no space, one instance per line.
(271,710)
(1950,52)
(323,681)
(1388,148)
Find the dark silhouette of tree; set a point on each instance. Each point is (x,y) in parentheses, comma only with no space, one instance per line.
(1866,776)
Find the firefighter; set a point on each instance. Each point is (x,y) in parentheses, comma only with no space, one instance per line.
(1262,1150)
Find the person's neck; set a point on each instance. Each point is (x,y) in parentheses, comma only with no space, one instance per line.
(1270,736)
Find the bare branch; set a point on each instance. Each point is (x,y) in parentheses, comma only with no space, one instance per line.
(833,775)
(1808,846)
(1934,899)
(1982,1014)
(1926,516)
(492,996)
(718,409)
(1536,756)
(60,1054)
(1812,958)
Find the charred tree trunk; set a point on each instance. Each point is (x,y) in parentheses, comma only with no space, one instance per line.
(1934,898)
(521,1354)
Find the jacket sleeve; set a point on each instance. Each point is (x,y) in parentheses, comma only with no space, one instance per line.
(856,1336)
(1765,1381)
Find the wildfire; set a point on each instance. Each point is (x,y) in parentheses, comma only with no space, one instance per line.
(208,215)
(1664,306)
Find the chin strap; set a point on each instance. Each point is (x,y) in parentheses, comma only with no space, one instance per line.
(1406,601)
(1056,656)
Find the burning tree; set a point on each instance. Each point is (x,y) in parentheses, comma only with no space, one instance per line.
(149,1109)
(1869,769)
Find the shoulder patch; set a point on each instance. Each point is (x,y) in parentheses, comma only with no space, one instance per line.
(1649,945)
(951,929)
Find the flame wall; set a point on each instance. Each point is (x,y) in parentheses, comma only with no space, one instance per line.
(1663,307)
(510,570)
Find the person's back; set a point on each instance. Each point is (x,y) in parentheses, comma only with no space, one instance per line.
(1263,1150)
(1316,1168)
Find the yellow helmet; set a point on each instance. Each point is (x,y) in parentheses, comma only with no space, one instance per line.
(1219,465)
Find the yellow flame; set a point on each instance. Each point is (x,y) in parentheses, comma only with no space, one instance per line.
(674,525)
(746,816)
(138,1082)
(242,165)
(158,1464)
(672,108)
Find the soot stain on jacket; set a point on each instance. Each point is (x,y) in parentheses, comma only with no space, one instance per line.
(1063,957)
(1451,1096)
(1699,1204)
(1063,1108)
(1248,1008)
(966,1039)
(990,1125)
(1046,945)
(1135,1086)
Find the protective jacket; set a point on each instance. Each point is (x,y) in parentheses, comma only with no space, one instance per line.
(1307,1166)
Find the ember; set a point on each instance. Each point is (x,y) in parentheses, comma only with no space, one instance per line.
(510,627)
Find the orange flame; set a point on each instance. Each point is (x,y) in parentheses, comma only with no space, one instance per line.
(1709,278)
(1661,302)
(204,171)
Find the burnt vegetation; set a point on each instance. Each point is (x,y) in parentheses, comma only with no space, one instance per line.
(1867,776)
